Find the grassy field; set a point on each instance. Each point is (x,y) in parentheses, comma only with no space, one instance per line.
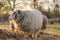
(50,27)
(53,28)
(52,33)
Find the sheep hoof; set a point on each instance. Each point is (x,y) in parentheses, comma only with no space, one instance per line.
(25,35)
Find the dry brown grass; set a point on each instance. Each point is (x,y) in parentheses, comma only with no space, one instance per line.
(49,34)
(8,34)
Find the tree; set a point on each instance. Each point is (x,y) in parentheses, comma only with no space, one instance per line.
(56,10)
(35,4)
(1,5)
(12,6)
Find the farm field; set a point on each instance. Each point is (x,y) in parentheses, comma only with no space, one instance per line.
(51,33)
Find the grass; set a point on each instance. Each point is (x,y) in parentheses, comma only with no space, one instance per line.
(50,27)
(54,28)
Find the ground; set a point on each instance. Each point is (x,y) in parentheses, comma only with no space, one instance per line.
(51,33)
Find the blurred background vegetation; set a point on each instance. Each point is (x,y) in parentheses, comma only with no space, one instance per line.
(50,8)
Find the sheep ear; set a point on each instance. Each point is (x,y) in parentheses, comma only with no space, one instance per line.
(19,15)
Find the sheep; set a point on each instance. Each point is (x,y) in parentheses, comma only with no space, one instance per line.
(30,21)
(45,22)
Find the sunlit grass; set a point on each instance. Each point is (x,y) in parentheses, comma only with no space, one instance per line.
(53,27)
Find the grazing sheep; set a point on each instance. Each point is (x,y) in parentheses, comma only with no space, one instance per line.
(45,21)
(29,21)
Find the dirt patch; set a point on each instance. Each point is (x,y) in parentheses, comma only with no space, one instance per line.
(10,35)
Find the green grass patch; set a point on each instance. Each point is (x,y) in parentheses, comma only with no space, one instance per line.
(53,27)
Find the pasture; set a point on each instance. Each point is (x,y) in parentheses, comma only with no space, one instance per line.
(51,33)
